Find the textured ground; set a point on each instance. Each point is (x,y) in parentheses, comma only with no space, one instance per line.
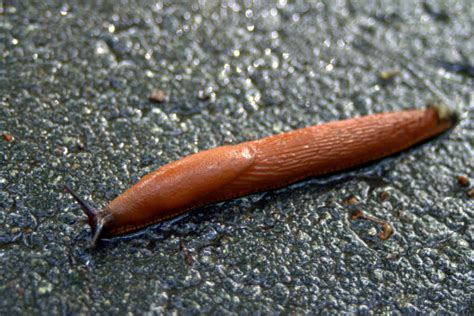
(74,86)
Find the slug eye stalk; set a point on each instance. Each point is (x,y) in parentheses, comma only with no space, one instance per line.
(95,221)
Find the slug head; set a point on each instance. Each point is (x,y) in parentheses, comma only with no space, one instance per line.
(95,219)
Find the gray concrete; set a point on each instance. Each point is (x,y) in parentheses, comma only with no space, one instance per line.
(74,86)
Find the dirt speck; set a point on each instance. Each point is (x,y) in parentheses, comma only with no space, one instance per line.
(357,214)
(387,231)
(463,181)
(7,137)
(188,258)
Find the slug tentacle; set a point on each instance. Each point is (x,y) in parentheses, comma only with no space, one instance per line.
(96,232)
(95,220)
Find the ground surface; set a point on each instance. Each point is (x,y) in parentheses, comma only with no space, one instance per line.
(74,86)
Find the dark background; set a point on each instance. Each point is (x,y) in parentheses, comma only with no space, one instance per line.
(74,86)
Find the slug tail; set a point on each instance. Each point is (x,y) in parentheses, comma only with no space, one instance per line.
(95,221)
(444,112)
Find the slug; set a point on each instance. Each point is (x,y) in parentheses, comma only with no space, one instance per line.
(233,171)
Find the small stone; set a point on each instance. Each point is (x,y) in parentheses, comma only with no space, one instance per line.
(27,230)
(15,230)
(384,195)
(80,146)
(389,74)
(45,289)
(351,200)
(158,96)
(372,231)
(470,193)
(61,151)
(202,95)
(207,94)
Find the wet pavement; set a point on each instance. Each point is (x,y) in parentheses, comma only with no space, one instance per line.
(75,82)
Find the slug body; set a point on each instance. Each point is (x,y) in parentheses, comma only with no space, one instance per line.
(273,162)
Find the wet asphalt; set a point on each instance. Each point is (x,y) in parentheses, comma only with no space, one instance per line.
(75,82)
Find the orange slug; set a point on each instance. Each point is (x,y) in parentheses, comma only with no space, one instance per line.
(232,171)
